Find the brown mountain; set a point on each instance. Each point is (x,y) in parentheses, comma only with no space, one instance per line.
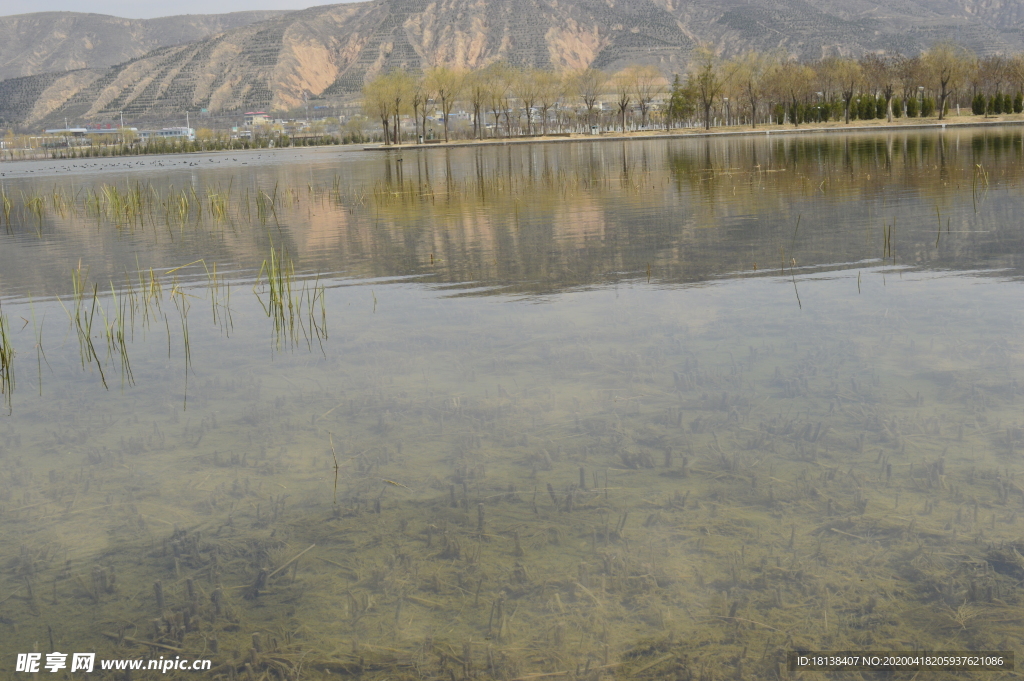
(44,42)
(329,51)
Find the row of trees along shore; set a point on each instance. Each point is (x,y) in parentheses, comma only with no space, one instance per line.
(751,89)
(127,143)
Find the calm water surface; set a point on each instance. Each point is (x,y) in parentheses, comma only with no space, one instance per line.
(595,410)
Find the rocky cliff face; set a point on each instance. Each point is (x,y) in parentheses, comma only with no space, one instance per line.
(330,51)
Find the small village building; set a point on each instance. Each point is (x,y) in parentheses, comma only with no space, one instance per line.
(256,118)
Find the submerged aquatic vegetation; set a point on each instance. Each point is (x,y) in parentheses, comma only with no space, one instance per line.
(660,481)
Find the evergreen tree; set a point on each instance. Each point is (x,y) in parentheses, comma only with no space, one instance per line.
(682,103)
(978,105)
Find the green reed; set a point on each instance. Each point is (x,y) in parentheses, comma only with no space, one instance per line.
(980,177)
(220,303)
(37,332)
(280,306)
(185,206)
(132,205)
(266,205)
(183,306)
(180,207)
(317,313)
(36,206)
(297,309)
(123,208)
(147,299)
(61,203)
(133,302)
(6,361)
(85,311)
(123,306)
(218,206)
(294,311)
(5,206)
(194,199)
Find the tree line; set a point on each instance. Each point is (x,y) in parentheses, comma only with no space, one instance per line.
(751,89)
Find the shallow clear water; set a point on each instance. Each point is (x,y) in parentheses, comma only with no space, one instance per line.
(643,410)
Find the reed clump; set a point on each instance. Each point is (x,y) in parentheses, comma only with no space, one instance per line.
(5,207)
(297,309)
(137,205)
(295,312)
(82,318)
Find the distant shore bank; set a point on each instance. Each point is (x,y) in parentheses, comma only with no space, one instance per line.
(731,131)
(157,163)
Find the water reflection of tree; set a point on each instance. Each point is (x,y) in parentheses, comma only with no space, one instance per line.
(543,218)
(702,208)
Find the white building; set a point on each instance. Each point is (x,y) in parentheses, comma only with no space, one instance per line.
(168,133)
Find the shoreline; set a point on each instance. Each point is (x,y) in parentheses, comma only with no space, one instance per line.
(14,169)
(701,133)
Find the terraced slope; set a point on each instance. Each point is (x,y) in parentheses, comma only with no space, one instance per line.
(45,42)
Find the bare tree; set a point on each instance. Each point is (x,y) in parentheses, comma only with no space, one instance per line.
(752,70)
(793,82)
(946,65)
(882,75)
(911,75)
(399,85)
(850,77)
(550,88)
(498,81)
(421,96)
(648,83)
(476,89)
(378,100)
(827,76)
(446,84)
(526,88)
(993,71)
(622,84)
(1016,71)
(588,84)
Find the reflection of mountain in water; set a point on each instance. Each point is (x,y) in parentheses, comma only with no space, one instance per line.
(544,218)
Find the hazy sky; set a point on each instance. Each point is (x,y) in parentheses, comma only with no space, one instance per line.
(149,9)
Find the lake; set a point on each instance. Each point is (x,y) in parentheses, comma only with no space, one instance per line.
(648,409)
